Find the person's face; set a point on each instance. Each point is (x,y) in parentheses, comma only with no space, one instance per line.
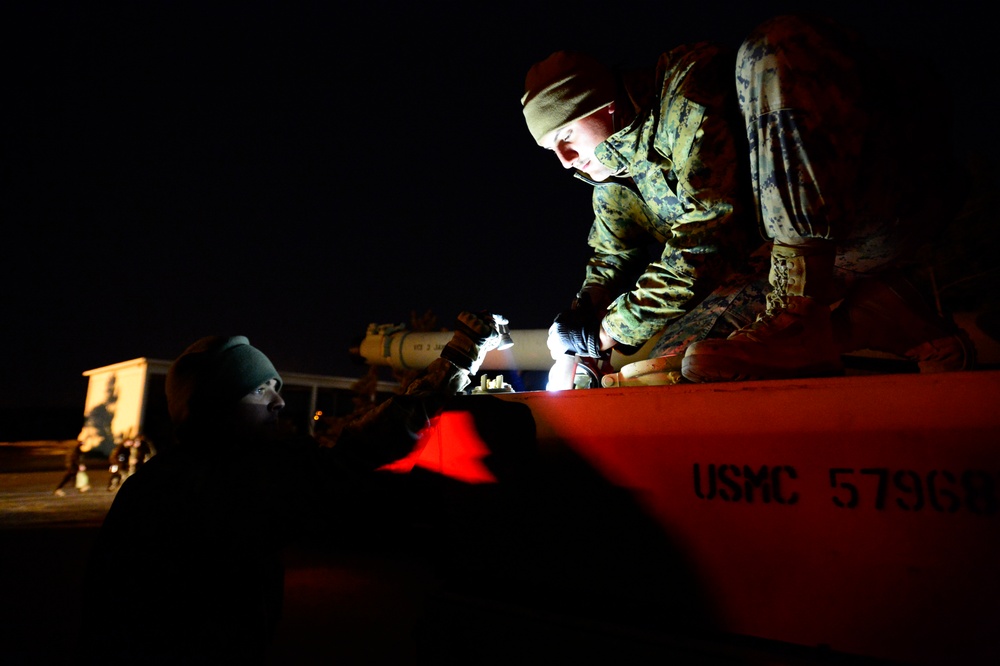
(257,412)
(574,144)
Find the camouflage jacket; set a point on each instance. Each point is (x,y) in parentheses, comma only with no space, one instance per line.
(680,197)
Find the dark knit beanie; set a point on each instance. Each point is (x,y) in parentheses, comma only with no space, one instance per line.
(213,372)
(563,88)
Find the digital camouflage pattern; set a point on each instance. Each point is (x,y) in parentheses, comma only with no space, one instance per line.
(684,189)
(681,189)
(832,146)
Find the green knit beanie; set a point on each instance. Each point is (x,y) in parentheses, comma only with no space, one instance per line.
(563,88)
(213,372)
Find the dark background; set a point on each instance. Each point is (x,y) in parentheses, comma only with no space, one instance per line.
(296,171)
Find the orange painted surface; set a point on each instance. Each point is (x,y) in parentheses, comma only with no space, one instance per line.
(861,513)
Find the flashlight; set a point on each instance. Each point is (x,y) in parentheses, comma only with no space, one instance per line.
(504,330)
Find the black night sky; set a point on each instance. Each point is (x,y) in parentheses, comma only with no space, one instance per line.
(295,171)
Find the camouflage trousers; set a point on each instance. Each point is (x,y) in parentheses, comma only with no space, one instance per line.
(833,157)
(834,144)
(732,305)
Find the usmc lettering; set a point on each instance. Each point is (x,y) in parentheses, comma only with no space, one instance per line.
(735,483)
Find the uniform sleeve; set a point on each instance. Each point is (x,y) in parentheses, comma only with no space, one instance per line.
(618,238)
(696,138)
(690,179)
(666,290)
(389,432)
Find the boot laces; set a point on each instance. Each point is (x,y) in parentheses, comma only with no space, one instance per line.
(776,301)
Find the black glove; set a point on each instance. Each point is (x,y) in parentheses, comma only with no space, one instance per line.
(475,334)
(579,329)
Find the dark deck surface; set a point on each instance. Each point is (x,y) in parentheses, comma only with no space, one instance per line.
(348,607)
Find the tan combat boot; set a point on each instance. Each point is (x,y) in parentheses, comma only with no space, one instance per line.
(793,338)
(888,314)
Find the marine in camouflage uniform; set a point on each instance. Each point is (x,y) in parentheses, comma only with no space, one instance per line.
(807,115)
(682,189)
(673,227)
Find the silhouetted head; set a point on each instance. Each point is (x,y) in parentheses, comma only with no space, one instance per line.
(223,384)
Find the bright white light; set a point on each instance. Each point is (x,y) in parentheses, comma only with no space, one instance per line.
(562,375)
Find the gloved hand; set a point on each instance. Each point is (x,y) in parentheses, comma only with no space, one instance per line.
(475,335)
(578,329)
